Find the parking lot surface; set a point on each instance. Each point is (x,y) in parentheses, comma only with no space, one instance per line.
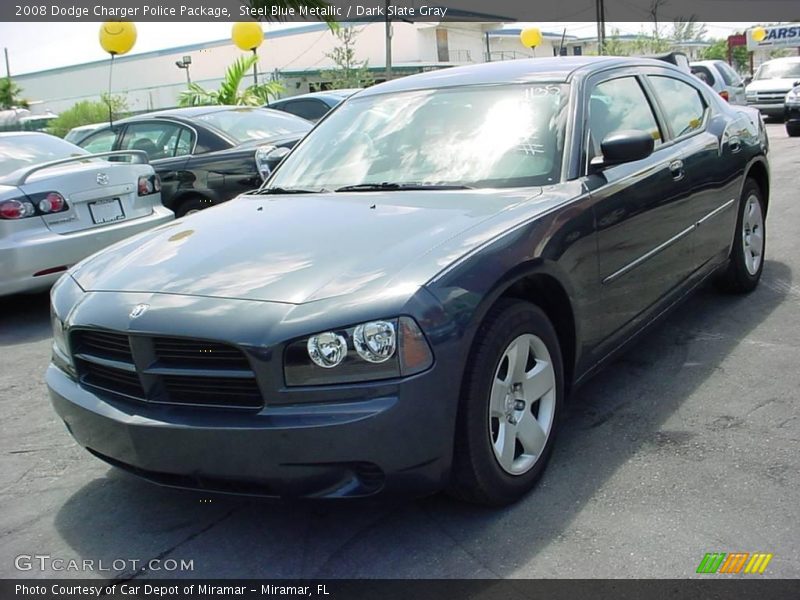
(688,444)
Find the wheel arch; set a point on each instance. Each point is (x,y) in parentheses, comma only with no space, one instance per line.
(543,285)
(757,170)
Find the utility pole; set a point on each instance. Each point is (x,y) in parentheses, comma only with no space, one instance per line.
(601,27)
(8,69)
(388,44)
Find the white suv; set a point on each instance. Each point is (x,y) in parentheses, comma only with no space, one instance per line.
(722,78)
(771,83)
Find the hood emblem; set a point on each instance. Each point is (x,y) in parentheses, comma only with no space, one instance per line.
(138,310)
(102,179)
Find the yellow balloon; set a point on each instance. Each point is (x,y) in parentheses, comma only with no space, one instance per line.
(530,37)
(758,34)
(117,37)
(247,35)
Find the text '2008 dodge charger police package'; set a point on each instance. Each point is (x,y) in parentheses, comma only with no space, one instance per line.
(406,303)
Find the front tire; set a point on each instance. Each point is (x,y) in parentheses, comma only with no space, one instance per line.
(511,399)
(747,253)
(793,129)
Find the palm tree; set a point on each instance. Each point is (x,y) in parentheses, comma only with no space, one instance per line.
(9,95)
(228,92)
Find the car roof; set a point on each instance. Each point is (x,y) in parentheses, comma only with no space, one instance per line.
(190,113)
(9,134)
(559,69)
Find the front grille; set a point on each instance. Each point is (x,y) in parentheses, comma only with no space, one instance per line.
(165,370)
(213,391)
(110,379)
(113,346)
(201,354)
(767,97)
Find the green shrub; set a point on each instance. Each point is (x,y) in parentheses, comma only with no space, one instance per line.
(87,112)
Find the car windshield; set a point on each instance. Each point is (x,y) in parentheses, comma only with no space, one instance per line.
(18,151)
(255,124)
(481,136)
(779,70)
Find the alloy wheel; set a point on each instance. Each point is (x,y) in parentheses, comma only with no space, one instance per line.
(752,234)
(522,404)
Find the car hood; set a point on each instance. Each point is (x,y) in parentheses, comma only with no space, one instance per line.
(304,247)
(772,85)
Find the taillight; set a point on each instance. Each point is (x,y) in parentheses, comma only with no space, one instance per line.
(725,94)
(149,184)
(53,202)
(16,209)
(43,203)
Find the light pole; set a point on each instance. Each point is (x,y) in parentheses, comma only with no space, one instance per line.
(184,63)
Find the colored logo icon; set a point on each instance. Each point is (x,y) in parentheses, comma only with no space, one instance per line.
(734,562)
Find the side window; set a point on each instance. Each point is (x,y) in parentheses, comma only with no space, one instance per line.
(157,139)
(703,74)
(730,76)
(684,106)
(313,110)
(615,105)
(183,144)
(102,141)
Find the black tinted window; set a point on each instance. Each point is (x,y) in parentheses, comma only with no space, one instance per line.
(313,110)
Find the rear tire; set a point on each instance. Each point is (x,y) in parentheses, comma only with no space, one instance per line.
(749,243)
(511,400)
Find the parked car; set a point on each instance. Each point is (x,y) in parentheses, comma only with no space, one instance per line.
(313,106)
(771,82)
(204,155)
(407,302)
(722,79)
(76,134)
(792,112)
(59,204)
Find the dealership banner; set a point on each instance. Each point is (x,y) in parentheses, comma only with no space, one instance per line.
(437,589)
(774,36)
(408,10)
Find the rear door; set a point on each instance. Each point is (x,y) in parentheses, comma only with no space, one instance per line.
(712,160)
(643,228)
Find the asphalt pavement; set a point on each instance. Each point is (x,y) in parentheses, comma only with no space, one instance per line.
(689,444)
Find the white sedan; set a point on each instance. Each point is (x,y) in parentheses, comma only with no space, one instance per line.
(59,204)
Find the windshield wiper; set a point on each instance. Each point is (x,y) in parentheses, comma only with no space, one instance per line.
(280,190)
(390,186)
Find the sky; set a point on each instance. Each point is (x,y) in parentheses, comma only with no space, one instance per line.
(38,46)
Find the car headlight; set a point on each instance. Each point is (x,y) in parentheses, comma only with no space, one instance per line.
(380,349)
(793,97)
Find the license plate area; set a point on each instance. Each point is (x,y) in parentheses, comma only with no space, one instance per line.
(106,211)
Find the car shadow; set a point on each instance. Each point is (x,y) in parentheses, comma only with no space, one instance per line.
(24,318)
(632,409)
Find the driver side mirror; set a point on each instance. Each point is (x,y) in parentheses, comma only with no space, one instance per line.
(748,80)
(267,158)
(621,147)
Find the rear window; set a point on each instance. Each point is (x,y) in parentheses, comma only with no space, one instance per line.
(703,74)
(254,124)
(18,151)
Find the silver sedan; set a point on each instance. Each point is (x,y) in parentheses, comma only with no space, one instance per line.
(59,204)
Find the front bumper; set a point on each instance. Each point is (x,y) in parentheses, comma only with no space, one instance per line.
(41,249)
(771,110)
(382,443)
(792,113)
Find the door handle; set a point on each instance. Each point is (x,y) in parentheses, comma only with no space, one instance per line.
(735,144)
(676,168)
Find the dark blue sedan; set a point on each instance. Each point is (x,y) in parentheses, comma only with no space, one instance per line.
(408,301)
